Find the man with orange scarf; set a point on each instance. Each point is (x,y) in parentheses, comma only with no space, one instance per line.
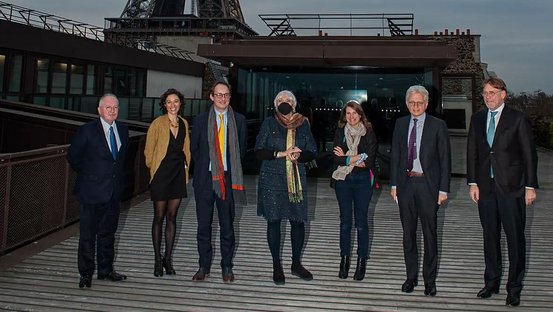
(217,143)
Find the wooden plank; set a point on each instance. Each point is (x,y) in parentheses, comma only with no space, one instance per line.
(48,280)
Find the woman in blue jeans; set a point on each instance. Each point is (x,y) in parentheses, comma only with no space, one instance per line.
(354,151)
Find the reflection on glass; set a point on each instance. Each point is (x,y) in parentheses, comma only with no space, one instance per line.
(42,65)
(59,78)
(77,79)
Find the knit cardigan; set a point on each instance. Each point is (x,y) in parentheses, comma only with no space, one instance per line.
(157,142)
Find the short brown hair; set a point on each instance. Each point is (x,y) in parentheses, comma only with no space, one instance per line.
(220,82)
(495,82)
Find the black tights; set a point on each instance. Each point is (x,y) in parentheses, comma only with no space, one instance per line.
(297,234)
(165,210)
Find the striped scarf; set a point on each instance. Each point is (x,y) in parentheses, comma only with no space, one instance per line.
(216,159)
(293,181)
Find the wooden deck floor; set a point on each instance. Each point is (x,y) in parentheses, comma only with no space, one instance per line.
(48,280)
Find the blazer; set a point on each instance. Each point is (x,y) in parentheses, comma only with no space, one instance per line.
(512,155)
(100,178)
(157,141)
(434,154)
(200,149)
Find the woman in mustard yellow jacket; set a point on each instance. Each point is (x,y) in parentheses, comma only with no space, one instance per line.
(167,154)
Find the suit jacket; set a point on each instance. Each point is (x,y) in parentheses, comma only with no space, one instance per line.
(200,150)
(512,155)
(99,177)
(434,154)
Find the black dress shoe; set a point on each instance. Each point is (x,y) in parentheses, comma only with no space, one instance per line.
(201,275)
(430,289)
(409,285)
(85,281)
(487,292)
(278,274)
(112,276)
(513,300)
(228,276)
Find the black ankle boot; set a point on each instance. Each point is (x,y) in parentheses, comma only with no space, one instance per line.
(301,272)
(168,265)
(360,269)
(344,267)
(278,274)
(158,268)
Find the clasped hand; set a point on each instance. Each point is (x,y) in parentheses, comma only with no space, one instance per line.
(293,153)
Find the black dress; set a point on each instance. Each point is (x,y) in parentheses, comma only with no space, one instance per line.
(169,180)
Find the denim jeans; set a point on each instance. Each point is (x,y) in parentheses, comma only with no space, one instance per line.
(354,195)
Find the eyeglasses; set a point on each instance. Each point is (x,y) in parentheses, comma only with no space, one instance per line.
(413,103)
(172,102)
(222,95)
(490,93)
(111,108)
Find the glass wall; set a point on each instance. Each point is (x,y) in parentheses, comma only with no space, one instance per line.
(90,79)
(77,79)
(59,77)
(2,66)
(42,69)
(321,94)
(15,72)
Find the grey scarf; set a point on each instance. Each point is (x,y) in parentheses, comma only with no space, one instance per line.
(217,168)
(353,137)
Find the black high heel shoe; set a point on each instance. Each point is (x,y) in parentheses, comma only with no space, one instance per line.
(168,265)
(158,268)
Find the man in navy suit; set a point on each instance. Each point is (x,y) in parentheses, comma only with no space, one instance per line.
(217,143)
(502,174)
(419,179)
(97,155)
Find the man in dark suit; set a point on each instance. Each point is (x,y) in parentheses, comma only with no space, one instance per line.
(419,179)
(218,144)
(502,174)
(97,154)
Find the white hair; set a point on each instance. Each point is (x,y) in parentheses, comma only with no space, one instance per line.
(416,89)
(101,102)
(288,94)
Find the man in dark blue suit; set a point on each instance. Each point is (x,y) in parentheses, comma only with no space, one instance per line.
(419,178)
(97,154)
(502,174)
(218,144)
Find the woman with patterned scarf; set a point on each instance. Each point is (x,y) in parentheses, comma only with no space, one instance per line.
(284,144)
(354,152)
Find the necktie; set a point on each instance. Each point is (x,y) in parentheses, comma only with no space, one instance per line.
(412,148)
(112,142)
(491,134)
(491,128)
(221,135)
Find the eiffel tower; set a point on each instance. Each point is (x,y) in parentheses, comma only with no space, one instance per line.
(220,19)
(156,24)
(203,8)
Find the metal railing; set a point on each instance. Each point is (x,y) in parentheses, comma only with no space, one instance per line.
(143,109)
(22,15)
(18,14)
(339,24)
(36,191)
